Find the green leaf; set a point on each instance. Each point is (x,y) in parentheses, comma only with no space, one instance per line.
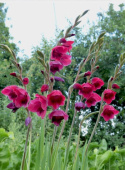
(4,135)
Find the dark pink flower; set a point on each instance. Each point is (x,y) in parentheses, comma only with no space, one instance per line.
(25,81)
(55,66)
(13,74)
(79,106)
(93,99)
(22,99)
(109,95)
(77,86)
(27,121)
(88,73)
(97,82)
(65,60)
(13,107)
(57,52)
(18,95)
(11,91)
(38,105)
(57,116)
(86,90)
(109,112)
(115,86)
(68,44)
(59,79)
(44,87)
(56,99)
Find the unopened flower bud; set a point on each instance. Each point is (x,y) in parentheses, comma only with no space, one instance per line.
(27,121)
(97,67)
(59,79)
(72,34)
(88,73)
(44,87)
(13,74)
(42,72)
(115,86)
(51,79)
(112,78)
(62,40)
(77,86)
(25,81)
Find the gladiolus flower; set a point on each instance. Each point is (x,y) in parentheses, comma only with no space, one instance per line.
(62,40)
(55,66)
(58,52)
(97,82)
(13,107)
(59,79)
(65,60)
(57,116)
(25,81)
(93,99)
(10,91)
(13,74)
(88,73)
(115,86)
(86,90)
(18,95)
(27,121)
(109,95)
(109,112)
(79,106)
(68,44)
(44,87)
(56,99)
(38,105)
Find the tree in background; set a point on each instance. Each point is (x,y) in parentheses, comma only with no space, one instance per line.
(5,66)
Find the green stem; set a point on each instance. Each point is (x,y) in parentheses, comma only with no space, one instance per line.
(30,148)
(97,121)
(68,144)
(53,140)
(80,131)
(24,154)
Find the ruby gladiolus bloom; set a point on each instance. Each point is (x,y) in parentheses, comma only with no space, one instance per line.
(57,52)
(55,66)
(57,116)
(13,107)
(56,99)
(109,112)
(44,87)
(10,91)
(79,106)
(38,105)
(93,99)
(68,44)
(18,95)
(65,60)
(88,73)
(115,86)
(86,90)
(77,86)
(97,82)
(25,81)
(109,95)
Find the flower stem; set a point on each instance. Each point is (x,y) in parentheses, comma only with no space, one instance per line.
(94,129)
(80,131)
(54,135)
(68,144)
(24,154)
